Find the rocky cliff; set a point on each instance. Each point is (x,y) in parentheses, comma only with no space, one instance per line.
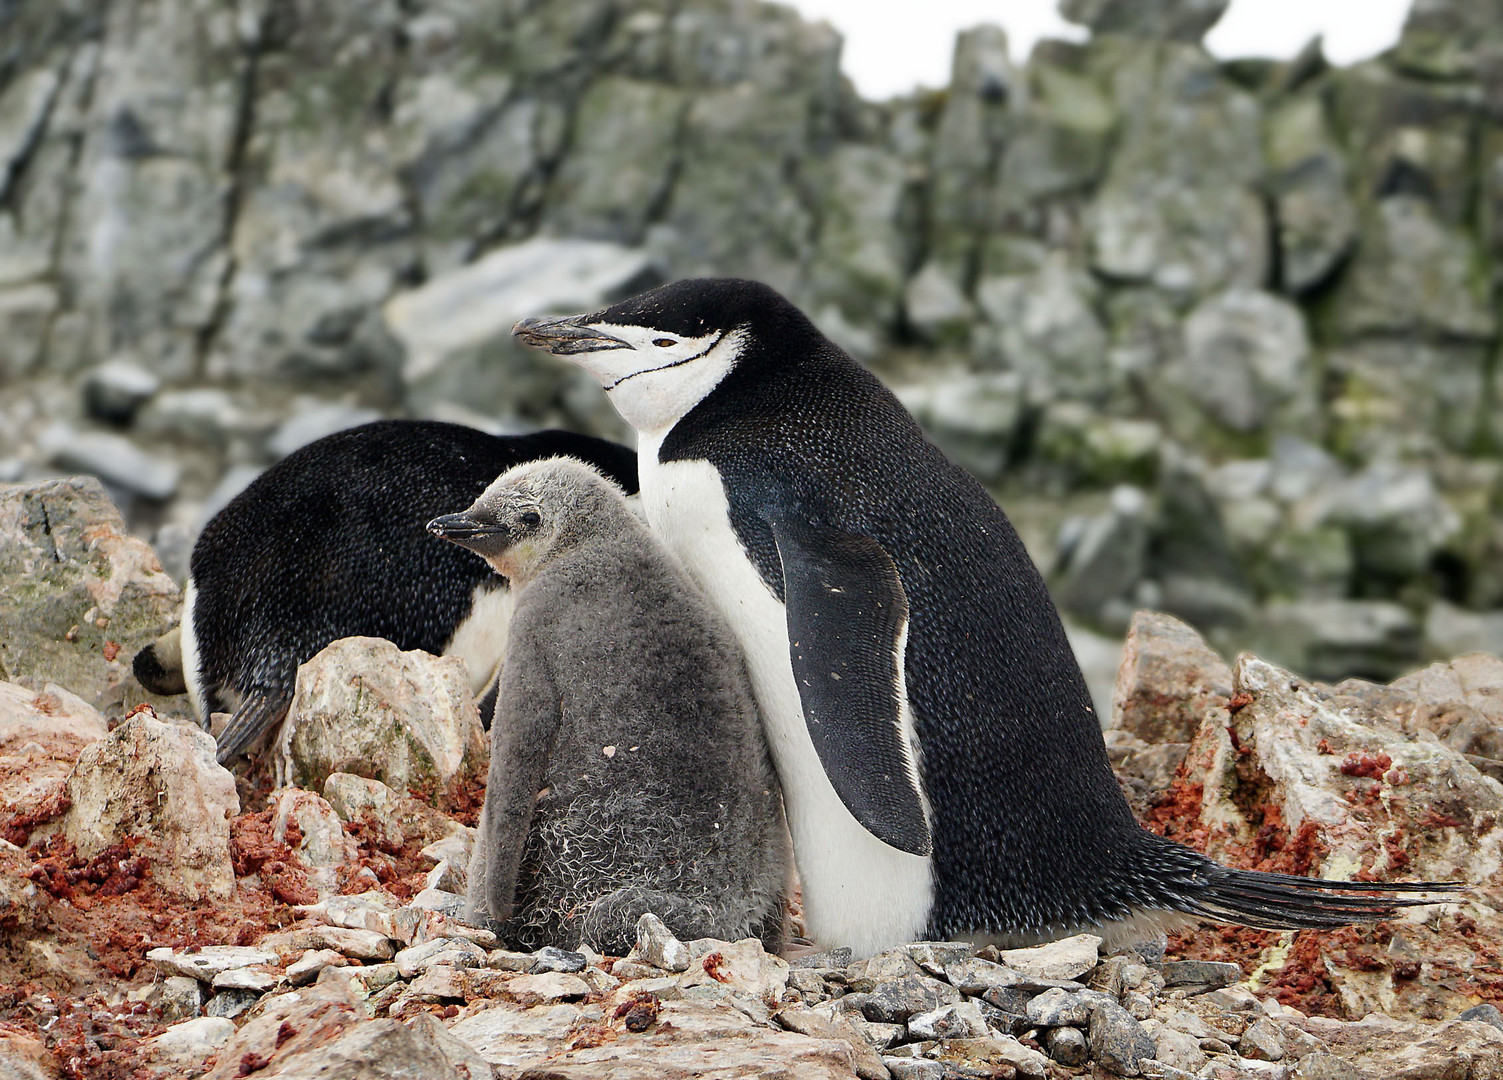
(1223,335)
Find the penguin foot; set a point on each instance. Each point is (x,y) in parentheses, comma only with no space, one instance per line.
(258,713)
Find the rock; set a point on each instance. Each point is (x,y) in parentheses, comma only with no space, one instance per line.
(406,719)
(1044,327)
(1379,1045)
(41,737)
(1317,219)
(209,961)
(1246,360)
(962,1020)
(1451,631)
(897,1001)
(1207,973)
(972,416)
(454,951)
(159,784)
(1176,20)
(547,988)
(1169,678)
(552,959)
(1067,1046)
(256,980)
(114,390)
(935,305)
(322,842)
(1487,1014)
(1396,519)
(1117,1041)
(360,944)
(815,1024)
(308,966)
(78,597)
(191,1042)
(313,423)
(913,1069)
(1262,1042)
(1057,1008)
(228,1004)
(181,997)
(399,819)
(513,1038)
(322,1031)
(113,458)
(1064,959)
(657,946)
(1331,639)
(743,967)
(992,1051)
(1107,558)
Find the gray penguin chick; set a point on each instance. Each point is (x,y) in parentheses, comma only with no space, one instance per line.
(629,771)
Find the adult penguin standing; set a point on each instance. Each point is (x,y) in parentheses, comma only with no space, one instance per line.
(943,772)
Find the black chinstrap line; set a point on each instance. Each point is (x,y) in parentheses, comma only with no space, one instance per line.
(666,367)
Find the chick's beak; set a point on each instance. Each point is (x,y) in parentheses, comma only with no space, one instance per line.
(564,335)
(464,530)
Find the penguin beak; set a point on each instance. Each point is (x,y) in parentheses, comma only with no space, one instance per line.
(465,531)
(565,335)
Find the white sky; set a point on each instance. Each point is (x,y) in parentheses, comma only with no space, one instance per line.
(893,45)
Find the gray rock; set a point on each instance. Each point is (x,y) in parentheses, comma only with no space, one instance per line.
(657,946)
(1246,360)
(1262,1041)
(189,1043)
(1057,1008)
(456,952)
(1044,327)
(550,958)
(895,1002)
(1067,1046)
(230,1003)
(235,480)
(314,423)
(834,959)
(1334,639)
(913,1069)
(1117,1041)
(1168,679)
(1207,973)
(1486,1013)
(173,544)
(936,306)
(114,390)
(1317,219)
(113,458)
(182,997)
(210,960)
(1108,558)
(962,1020)
(1451,631)
(1177,20)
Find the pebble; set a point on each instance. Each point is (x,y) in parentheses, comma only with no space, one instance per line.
(935,956)
(835,958)
(192,1041)
(305,968)
(182,997)
(657,946)
(256,979)
(552,959)
(1262,1041)
(456,952)
(913,1069)
(864,976)
(209,961)
(1205,973)
(1116,1040)
(1067,1045)
(441,981)
(895,1002)
(962,1020)
(314,423)
(975,976)
(1140,1006)
(1065,959)
(547,988)
(506,960)
(1058,1008)
(230,1003)
(447,877)
(1486,1013)
(360,944)
(115,389)
(113,458)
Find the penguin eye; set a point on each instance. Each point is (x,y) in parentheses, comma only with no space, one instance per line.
(530,517)
(664,342)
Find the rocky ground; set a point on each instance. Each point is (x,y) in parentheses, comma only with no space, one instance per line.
(164,917)
(1225,335)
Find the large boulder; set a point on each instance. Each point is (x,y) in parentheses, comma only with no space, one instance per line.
(78,596)
(157,789)
(407,719)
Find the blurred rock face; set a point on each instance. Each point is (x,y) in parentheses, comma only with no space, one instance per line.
(1257,299)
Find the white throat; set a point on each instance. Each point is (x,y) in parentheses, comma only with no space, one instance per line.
(653,387)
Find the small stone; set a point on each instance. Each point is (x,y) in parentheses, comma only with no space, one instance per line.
(114,390)
(962,1020)
(1118,1041)
(835,958)
(456,952)
(820,1024)
(547,988)
(601,981)
(657,946)
(743,967)
(446,877)
(977,976)
(306,968)
(1067,1045)
(553,959)
(372,977)
(865,975)
(456,849)
(190,1042)
(895,1002)
(182,997)
(994,1050)
(209,961)
(441,982)
(880,1035)
(230,1003)
(1234,999)
(1011,1018)
(663,989)
(1068,958)
(1262,1041)
(506,960)
(1153,1069)
(806,982)
(1486,1013)
(935,956)
(1057,1008)
(314,423)
(255,979)
(913,1069)
(113,458)
(362,911)
(1205,973)
(360,944)
(1139,1006)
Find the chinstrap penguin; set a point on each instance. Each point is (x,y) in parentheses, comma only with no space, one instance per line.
(330,542)
(943,772)
(628,769)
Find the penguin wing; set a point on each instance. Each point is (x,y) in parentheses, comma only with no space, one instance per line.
(847,623)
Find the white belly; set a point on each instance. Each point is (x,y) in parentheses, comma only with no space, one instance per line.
(858,891)
(188,642)
(480,639)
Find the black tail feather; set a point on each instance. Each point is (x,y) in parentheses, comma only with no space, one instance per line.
(1282,902)
(258,713)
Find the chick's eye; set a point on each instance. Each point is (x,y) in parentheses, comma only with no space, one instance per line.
(531,517)
(664,342)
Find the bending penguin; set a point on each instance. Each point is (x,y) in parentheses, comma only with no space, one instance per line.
(628,770)
(943,772)
(330,542)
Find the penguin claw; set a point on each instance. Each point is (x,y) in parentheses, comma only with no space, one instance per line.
(258,713)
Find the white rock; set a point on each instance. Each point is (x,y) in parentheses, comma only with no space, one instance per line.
(657,946)
(211,960)
(191,1041)
(1067,958)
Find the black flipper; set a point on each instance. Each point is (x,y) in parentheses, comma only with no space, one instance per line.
(258,713)
(846,616)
